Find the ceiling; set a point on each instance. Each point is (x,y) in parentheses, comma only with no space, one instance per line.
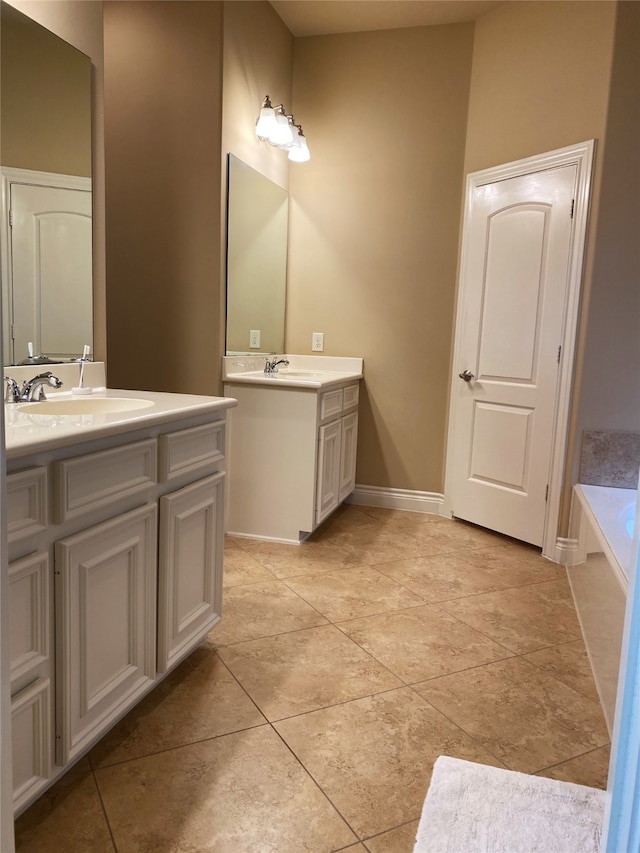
(322,17)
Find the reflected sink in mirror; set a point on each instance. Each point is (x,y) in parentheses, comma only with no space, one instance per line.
(84,406)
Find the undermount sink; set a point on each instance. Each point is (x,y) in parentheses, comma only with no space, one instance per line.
(85,406)
(299,374)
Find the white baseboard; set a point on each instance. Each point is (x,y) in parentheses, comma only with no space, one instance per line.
(565,552)
(403,499)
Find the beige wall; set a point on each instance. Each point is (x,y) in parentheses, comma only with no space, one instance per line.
(163,107)
(374,230)
(79,22)
(610,386)
(540,79)
(258,61)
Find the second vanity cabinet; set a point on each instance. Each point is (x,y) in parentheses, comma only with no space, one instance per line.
(292,457)
(115,576)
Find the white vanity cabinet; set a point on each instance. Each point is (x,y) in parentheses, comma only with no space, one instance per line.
(115,552)
(292,457)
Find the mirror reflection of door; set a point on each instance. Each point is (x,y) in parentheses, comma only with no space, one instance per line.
(45,135)
(50,233)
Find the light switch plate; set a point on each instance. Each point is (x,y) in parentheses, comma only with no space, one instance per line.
(254,339)
(317,342)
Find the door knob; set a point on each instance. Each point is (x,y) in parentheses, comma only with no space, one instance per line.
(467,375)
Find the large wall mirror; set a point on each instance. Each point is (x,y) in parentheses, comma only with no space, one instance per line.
(45,118)
(257,225)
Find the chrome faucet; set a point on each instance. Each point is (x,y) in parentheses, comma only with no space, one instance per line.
(31,390)
(272,365)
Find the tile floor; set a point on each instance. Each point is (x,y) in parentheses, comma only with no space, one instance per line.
(310,720)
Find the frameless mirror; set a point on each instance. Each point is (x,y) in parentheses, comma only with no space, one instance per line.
(47,282)
(257,223)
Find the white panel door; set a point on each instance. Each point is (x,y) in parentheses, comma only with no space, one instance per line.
(51,260)
(510,326)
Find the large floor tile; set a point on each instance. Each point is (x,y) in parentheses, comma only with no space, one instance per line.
(199,700)
(523,619)
(262,610)
(441,577)
(591,769)
(239,792)
(514,565)
(305,670)
(372,543)
(570,663)
(353,592)
(68,817)
(311,557)
(422,642)
(373,757)
(525,717)
(398,840)
(241,568)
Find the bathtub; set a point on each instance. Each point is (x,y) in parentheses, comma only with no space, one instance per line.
(603,521)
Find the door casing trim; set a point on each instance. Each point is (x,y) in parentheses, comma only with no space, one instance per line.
(582,156)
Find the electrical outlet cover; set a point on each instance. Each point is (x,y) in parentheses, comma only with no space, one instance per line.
(317,342)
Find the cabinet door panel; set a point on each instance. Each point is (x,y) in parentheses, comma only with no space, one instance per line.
(31,741)
(28,616)
(348,455)
(190,577)
(105,625)
(327,497)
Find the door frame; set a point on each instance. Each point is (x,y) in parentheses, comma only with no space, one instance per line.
(31,178)
(582,156)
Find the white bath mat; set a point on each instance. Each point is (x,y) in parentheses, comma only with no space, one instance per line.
(473,808)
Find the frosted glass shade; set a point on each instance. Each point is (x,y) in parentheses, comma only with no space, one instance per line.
(266,126)
(299,152)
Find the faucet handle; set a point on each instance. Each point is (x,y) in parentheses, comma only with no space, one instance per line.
(12,392)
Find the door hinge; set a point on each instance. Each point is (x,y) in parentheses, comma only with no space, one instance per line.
(546,493)
(11,219)
(573,204)
(559,353)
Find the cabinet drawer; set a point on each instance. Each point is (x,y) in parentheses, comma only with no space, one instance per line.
(28,613)
(196,450)
(27,503)
(330,404)
(350,396)
(99,479)
(31,741)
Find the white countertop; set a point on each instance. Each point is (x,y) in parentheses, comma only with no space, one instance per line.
(29,432)
(303,371)
(611,510)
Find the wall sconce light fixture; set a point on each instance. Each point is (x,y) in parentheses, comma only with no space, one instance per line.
(280,130)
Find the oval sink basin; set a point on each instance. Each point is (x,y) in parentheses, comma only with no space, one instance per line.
(85,406)
(299,374)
